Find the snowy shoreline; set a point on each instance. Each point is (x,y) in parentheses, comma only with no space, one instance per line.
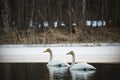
(60,45)
(85,52)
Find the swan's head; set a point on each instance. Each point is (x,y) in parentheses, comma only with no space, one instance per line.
(71,53)
(48,50)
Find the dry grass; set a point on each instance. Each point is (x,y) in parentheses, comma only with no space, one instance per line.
(50,36)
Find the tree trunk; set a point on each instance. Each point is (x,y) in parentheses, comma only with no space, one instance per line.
(5,15)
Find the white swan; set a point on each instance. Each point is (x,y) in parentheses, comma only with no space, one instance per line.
(56,63)
(79,66)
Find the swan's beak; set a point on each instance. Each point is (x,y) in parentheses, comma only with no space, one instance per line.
(45,51)
(68,53)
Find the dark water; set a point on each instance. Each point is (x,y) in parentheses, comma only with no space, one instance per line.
(39,71)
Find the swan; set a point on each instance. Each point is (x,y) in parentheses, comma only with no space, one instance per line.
(55,63)
(79,66)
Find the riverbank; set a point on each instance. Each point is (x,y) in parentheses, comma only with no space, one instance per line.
(60,45)
(34,53)
(56,36)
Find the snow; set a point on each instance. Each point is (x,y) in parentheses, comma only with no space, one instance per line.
(88,22)
(31,23)
(104,53)
(99,23)
(96,23)
(39,25)
(74,24)
(45,24)
(104,23)
(55,24)
(63,24)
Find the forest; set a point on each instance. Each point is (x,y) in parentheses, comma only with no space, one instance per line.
(59,21)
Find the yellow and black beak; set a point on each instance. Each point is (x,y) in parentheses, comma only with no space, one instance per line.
(45,51)
(68,53)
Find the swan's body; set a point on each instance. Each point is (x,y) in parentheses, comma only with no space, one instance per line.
(82,66)
(79,66)
(55,63)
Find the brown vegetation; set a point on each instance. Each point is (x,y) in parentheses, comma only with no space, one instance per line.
(103,34)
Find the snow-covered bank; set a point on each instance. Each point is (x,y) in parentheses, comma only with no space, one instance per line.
(85,52)
(60,45)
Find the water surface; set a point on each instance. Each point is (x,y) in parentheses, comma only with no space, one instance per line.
(39,71)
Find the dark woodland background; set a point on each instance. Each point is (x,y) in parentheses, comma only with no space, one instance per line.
(33,21)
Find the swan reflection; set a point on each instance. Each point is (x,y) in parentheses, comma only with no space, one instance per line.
(82,75)
(57,73)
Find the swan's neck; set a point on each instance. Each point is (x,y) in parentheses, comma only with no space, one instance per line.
(51,56)
(73,60)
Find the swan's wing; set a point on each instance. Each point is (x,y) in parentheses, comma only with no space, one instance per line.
(83,66)
(58,63)
(83,73)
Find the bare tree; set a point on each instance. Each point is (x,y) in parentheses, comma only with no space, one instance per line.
(5,15)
